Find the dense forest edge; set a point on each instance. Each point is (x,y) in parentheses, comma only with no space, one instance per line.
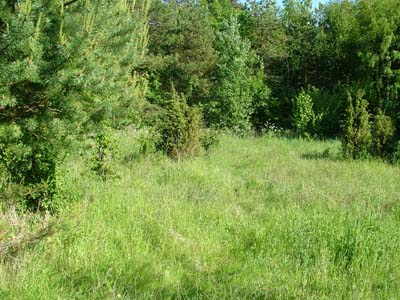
(91,90)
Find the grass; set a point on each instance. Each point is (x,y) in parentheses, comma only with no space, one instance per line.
(257,218)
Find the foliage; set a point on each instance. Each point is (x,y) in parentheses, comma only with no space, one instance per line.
(64,66)
(261,99)
(264,55)
(303,114)
(382,135)
(104,154)
(301,33)
(396,154)
(340,43)
(179,128)
(231,105)
(31,164)
(363,137)
(220,11)
(356,138)
(377,31)
(209,138)
(148,140)
(180,51)
(329,106)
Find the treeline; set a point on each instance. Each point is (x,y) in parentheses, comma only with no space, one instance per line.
(258,65)
(70,70)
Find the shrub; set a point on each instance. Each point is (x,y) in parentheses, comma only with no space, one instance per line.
(396,153)
(304,118)
(180,129)
(30,165)
(147,140)
(329,106)
(209,138)
(382,135)
(261,99)
(104,152)
(356,138)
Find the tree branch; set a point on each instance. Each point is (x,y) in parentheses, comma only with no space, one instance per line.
(12,113)
(70,2)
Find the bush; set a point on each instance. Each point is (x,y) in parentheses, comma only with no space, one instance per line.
(104,152)
(147,140)
(261,99)
(304,118)
(329,106)
(30,166)
(180,129)
(11,194)
(356,138)
(396,153)
(209,138)
(382,135)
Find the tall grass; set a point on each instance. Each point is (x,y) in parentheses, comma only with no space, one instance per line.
(257,218)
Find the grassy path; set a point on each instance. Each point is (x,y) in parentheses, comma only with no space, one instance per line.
(261,218)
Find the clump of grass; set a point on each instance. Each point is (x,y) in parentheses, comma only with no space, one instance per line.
(21,231)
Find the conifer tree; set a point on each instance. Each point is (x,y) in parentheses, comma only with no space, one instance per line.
(356,139)
(63,65)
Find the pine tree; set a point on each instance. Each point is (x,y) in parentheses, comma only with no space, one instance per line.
(63,66)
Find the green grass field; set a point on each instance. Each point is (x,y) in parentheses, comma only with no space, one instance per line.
(256,218)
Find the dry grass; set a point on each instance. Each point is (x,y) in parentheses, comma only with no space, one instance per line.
(19,231)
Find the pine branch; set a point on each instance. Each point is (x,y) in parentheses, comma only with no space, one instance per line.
(70,2)
(12,113)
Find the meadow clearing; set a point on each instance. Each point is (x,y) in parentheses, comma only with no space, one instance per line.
(255,218)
